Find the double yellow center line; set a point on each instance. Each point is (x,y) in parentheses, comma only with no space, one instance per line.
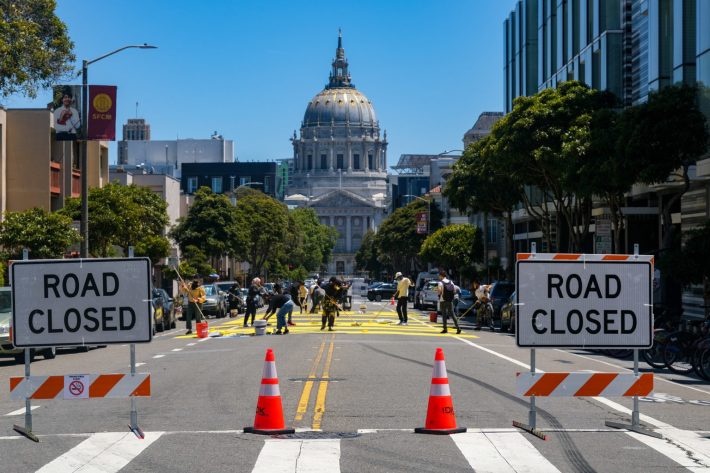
(322,386)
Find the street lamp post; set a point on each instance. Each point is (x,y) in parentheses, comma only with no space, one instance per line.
(84,222)
(428,214)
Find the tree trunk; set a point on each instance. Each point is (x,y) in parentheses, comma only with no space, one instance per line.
(510,269)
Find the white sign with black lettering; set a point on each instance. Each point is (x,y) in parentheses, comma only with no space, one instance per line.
(584,304)
(80,302)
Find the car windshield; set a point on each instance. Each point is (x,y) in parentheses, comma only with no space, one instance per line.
(431,285)
(210,290)
(224,286)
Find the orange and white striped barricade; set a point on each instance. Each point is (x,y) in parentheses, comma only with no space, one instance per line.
(83,386)
(584,384)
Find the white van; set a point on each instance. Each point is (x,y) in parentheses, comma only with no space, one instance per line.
(423,278)
(359,287)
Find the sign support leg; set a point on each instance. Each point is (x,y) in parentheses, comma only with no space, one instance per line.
(532,415)
(134,411)
(27,429)
(635,414)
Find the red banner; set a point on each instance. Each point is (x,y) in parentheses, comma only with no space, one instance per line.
(102,112)
(421,218)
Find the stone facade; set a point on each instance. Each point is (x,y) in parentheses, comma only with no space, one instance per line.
(340,163)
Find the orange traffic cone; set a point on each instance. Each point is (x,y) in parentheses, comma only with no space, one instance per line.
(392,301)
(269,419)
(440,416)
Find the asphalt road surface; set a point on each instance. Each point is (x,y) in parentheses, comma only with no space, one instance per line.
(354,397)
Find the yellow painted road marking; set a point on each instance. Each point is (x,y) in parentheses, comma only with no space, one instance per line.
(323,388)
(306,394)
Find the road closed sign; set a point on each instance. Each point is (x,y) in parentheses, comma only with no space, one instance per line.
(78,302)
(584,301)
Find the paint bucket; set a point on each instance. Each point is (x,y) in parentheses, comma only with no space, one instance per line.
(259,327)
(202,329)
(432,317)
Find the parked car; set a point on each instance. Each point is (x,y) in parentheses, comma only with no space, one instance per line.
(163,310)
(6,346)
(499,294)
(428,297)
(507,313)
(423,278)
(383,291)
(239,300)
(215,302)
(466,301)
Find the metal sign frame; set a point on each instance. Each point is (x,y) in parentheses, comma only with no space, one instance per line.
(552,259)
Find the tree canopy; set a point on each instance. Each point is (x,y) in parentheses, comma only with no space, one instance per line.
(46,235)
(35,49)
(212,225)
(456,247)
(123,216)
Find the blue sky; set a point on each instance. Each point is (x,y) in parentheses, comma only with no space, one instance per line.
(247,69)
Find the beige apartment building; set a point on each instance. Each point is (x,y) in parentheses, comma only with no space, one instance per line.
(38,171)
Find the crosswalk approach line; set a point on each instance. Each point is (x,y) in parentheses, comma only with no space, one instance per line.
(299,456)
(501,452)
(106,452)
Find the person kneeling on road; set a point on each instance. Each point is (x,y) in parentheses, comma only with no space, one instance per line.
(285,306)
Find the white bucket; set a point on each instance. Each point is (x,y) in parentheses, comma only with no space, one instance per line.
(259,327)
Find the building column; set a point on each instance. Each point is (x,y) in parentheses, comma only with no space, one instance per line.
(349,157)
(332,157)
(348,234)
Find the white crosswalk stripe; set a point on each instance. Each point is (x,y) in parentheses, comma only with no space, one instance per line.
(105,452)
(501,452)
(300,456)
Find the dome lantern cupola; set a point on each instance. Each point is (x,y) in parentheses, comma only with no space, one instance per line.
(339,75)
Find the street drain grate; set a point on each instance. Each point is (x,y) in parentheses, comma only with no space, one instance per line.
(319,435)
(316,379)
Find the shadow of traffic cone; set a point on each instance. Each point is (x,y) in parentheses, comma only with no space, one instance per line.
(269,418)
(440,416)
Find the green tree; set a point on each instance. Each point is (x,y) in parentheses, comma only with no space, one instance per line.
(397,240)
(366,258)
(478,184)
(35,50)
(122,216)
(46,235)
(661,139)
(455,247)
(313,242)
(542,143)
(213,225)
(266,222)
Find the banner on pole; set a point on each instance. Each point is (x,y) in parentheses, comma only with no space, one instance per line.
(66,103)
(421,218)
(102,112)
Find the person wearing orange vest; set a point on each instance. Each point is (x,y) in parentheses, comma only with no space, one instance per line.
(195,297)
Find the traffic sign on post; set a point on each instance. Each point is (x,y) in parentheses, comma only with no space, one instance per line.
(584,301)
(80,302)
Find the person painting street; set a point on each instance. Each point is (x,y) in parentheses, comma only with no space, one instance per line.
(233,296)
(447,290)
(331,295)
(195,297)
(402,296)
(255,291)
(302,296)
(316,296)
(283,303)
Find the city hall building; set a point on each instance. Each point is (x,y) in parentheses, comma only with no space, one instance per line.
(340,164)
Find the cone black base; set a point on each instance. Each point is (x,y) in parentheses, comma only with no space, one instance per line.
(252,430)
(422,430)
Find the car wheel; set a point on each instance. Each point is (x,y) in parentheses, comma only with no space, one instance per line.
(50,353)
(173,320)
(378,297)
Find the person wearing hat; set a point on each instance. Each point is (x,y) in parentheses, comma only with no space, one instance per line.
(402,296)
(331,296)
